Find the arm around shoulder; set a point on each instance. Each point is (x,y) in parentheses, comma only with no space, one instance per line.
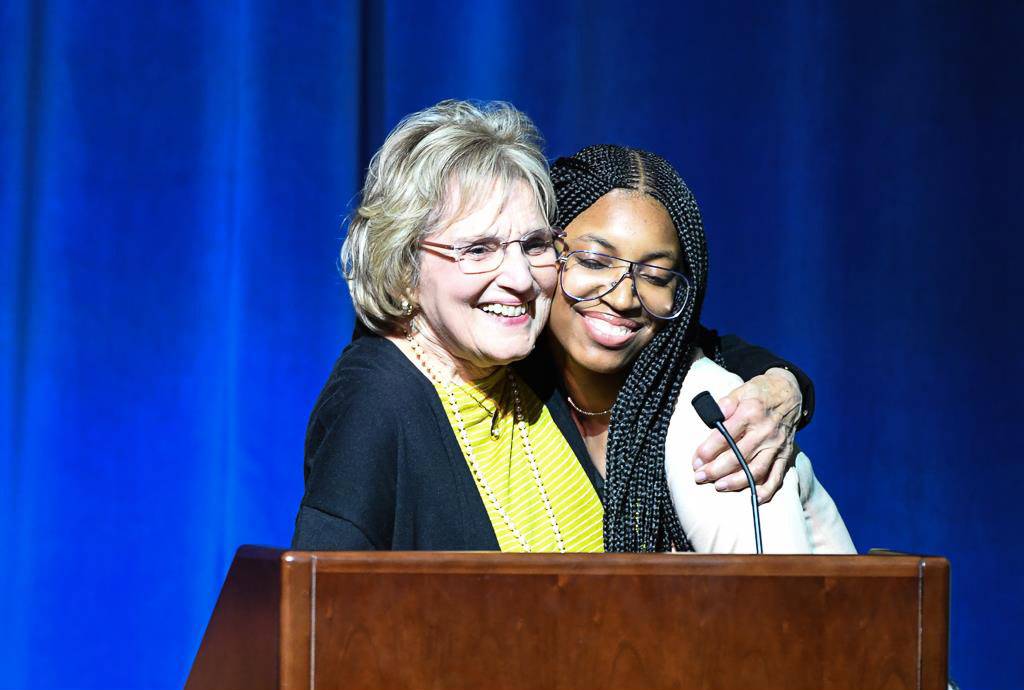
(748,361)
(722,522)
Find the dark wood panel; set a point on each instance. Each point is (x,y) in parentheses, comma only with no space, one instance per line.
(691,631)
(872,628)
(440,620)
(413,621)
(296,656)
(240,645)
(433,631)
(934,622)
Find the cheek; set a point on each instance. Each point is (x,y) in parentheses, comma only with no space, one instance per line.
(547,282)
(644,338)
(562,317)
(444,294)
(547,279)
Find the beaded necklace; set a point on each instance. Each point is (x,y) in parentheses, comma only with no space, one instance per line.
(524,436)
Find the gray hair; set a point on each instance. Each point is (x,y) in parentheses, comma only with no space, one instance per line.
(435,164)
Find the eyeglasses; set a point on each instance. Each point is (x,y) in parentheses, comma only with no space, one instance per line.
(588,275)
(540,247)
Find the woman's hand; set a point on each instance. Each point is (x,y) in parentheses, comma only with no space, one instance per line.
(761,415)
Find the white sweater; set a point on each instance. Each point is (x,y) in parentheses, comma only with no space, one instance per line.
(800,518)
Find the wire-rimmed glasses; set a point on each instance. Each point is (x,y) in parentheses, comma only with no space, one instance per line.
(588,275)
(541,248)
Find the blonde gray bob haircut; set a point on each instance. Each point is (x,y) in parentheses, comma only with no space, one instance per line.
(435,166)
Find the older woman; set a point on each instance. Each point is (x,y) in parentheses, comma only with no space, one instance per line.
(624,333)
(422,437)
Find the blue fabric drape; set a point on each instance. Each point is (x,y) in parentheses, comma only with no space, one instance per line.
(173,182)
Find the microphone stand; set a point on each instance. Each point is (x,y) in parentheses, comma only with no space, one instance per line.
(711,414)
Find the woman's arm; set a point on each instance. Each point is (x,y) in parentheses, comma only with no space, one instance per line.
(762,415)
(721,522)
(801,519)
(352,446)
(316,530)
(750,361)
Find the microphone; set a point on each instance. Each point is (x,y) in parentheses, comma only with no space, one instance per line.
(711,414)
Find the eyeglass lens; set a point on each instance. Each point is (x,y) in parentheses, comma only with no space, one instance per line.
(591,275)
(488,254)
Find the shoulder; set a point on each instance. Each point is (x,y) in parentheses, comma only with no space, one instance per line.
(372,357)
(370,372)
(371,388)
(705,375)
(686,430)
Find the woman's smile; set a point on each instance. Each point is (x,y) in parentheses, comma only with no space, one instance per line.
(607,334)
(609,330)
(485,319)
(509,313)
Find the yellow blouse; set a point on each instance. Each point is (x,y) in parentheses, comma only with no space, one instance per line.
(487,410)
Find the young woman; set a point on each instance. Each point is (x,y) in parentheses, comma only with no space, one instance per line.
(624,332)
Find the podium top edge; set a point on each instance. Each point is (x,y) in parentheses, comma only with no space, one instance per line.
(490,562)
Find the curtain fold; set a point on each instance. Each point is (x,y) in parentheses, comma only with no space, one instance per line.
(173,184)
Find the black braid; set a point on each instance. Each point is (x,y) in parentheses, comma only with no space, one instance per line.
(711,345)
(638,508)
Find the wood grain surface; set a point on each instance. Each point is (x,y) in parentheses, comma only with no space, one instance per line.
(460,620)
(240,646)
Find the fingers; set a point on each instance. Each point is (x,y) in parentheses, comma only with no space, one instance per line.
(714,445)
(737,481)
(759,447)
(759,438)
(759,416)
(767,490)
(728,403)
(748,413)
(737,416)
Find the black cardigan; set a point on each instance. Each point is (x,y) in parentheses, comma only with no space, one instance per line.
(383,467)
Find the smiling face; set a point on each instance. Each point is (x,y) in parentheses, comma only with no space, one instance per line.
(605,335)
(486,319)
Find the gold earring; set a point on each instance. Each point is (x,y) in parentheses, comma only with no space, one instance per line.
(407,308)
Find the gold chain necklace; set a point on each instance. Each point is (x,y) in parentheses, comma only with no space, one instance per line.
(524,435)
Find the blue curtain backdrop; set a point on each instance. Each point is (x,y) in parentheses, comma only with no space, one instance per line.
(174,177)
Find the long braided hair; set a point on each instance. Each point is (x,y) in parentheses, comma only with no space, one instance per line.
(638,509)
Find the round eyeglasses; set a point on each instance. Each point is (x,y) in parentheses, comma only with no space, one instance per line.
(588,275)
(482,255)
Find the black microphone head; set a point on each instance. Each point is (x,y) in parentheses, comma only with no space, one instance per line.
(709,411)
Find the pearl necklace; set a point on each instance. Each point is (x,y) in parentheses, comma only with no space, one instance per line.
(524,435)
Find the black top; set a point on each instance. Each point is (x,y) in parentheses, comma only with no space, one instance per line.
(384,469)
(747,361)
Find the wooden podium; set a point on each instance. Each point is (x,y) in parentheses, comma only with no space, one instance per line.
(293,619)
